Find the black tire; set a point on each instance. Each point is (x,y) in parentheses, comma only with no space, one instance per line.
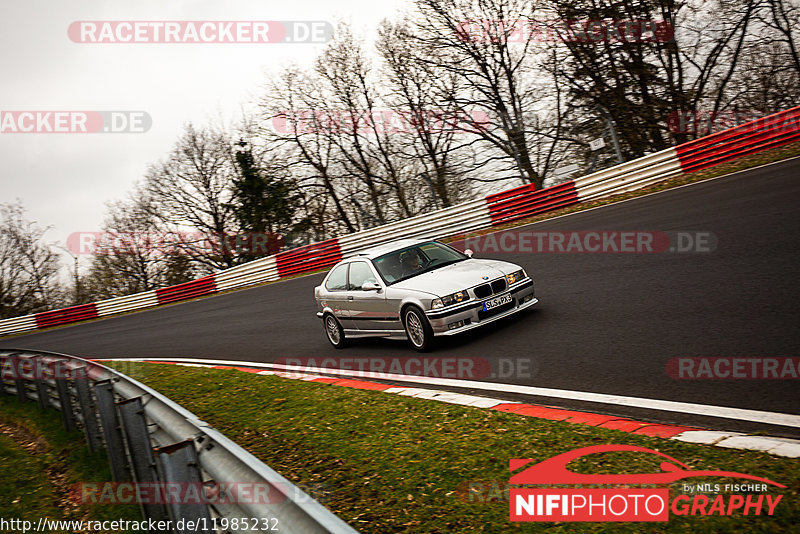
(418,329)
(333,331)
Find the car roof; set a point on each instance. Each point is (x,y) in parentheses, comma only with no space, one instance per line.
(380,250)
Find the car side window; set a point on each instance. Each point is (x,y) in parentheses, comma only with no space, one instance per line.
(360,273)
(337,280)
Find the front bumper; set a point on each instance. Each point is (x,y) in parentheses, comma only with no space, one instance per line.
(468,315)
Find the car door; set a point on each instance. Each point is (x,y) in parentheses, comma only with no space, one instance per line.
(335,295)
(367,308)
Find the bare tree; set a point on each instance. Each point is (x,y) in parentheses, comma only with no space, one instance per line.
(785,19)
(133,254)
(292,124)
(28,267)
(365,142)
(425,96)
(696,58)
(191,190)
(498,73)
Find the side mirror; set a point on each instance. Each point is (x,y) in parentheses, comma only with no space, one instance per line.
(371,286)
(468,252)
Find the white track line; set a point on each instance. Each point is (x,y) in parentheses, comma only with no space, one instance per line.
(773,418)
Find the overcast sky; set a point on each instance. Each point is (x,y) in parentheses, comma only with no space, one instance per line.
(64,180)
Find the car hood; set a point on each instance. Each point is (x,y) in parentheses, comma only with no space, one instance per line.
(458,276)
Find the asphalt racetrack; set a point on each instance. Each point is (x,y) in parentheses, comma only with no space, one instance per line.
(606,322)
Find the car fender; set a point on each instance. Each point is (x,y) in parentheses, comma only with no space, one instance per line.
(324,310)
(420,299)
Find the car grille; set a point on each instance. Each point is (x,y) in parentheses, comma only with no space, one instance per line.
(494,311)
(499,285)
(495,286)
(483,291)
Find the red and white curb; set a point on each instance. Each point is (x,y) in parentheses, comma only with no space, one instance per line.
(786,447)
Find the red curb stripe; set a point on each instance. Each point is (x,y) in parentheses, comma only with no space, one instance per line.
(538,411)
(528,410)
(626,425)
(591,419)
(292,375)
(662,431)
(361,384)
(510,408)
(550,413)
(248,369)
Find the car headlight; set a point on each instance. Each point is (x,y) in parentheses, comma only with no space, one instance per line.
(447,300)
(515,277)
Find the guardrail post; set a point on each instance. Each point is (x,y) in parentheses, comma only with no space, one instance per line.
(64,397)
(179,465)
(5,366)
(19,381)
(42,391)
(134,424)
(88,411)
(115,447)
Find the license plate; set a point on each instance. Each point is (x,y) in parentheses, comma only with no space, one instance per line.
(497,301)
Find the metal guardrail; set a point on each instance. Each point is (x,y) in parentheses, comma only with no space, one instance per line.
(496,209)
(153,442)
(629,176)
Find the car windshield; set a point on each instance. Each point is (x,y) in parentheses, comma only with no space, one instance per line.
(411,261)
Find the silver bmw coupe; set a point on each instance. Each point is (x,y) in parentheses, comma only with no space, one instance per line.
(416,290)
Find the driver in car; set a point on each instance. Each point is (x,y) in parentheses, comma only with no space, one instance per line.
(411,261)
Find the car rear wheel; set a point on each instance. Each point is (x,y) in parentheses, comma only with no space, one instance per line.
(334,331)
(418,329)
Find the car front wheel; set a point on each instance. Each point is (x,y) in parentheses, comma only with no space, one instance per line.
(418,329)
(334,331)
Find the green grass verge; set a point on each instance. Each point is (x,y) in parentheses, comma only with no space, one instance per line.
(41,463)
(387,463)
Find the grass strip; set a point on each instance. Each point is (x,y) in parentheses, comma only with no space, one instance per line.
(388,463)
(42,464)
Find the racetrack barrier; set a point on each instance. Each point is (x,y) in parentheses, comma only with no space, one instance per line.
(526,201)
(308,258)
(156,445)
(754,136)
(66,315)
(496,209)
(188,290)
